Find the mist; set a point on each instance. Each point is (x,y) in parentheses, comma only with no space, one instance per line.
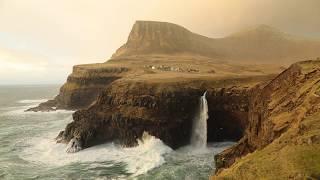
(40,40)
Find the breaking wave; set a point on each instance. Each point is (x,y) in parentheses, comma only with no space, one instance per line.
(139,160)
(32,101)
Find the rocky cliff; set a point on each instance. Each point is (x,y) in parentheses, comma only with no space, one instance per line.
(83,86)
(171,48)
(160,95)
(153,83)
(282,139)
(163,109)
(87,81)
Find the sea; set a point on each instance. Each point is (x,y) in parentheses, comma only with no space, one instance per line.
(28,149)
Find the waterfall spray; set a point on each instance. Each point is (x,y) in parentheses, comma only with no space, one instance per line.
(199,128)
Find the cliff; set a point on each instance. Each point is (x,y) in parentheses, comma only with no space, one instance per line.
(174,49)
(87,81)
(153,83)
(165,110)
(282,139)
(160,95)
(83,86)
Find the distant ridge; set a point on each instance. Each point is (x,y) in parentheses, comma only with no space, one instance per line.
(261,44)
(260,30)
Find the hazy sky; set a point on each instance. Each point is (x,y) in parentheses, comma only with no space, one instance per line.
(40,40)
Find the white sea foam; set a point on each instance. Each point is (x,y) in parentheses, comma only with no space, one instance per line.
(44,150)
(27,104)
(32,101)
(211,148)
(21,110)
(140,159)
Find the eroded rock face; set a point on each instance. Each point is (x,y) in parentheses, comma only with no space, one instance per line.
(83,87)
(74,146)
(127,109)
(276,110)
(228,113)
(146,37)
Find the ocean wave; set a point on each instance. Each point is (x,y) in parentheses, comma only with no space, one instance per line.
(21,110)
(32,101)
(148,155)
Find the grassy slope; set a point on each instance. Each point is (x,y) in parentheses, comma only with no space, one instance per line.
(138,69)
(288,157)
(296,153)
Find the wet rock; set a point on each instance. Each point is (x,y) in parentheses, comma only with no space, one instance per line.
(45,107)
(60,137)
(74,146)
(125,110)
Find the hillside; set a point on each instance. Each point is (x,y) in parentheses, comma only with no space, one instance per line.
(87,81)
(160,50)
(262,44)
(282,140)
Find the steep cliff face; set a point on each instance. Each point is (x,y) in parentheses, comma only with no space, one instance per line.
(160,95)
(228,113)
(165,110)
(160,46)
(282,136)
(83,86)
(87,81)
(153,83)
(148,37)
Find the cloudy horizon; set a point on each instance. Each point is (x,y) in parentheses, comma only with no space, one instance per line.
(40,40)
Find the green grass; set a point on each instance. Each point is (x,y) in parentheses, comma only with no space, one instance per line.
(290,156)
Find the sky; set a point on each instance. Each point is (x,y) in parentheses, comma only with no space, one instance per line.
(40,40)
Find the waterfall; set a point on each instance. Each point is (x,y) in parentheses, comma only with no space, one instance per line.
(199,128)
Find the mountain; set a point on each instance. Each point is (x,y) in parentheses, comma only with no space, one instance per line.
(148,37)
(262,44)
(172,49)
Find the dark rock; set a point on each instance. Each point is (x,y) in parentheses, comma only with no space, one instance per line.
(125,111)
(74,146)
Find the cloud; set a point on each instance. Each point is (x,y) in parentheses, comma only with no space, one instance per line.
(45,34)
(12,60)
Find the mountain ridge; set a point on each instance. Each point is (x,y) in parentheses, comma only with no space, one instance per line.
(262,44)
(147,37)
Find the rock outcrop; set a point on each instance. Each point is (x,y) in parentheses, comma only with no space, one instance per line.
(83,86)
(282,139)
